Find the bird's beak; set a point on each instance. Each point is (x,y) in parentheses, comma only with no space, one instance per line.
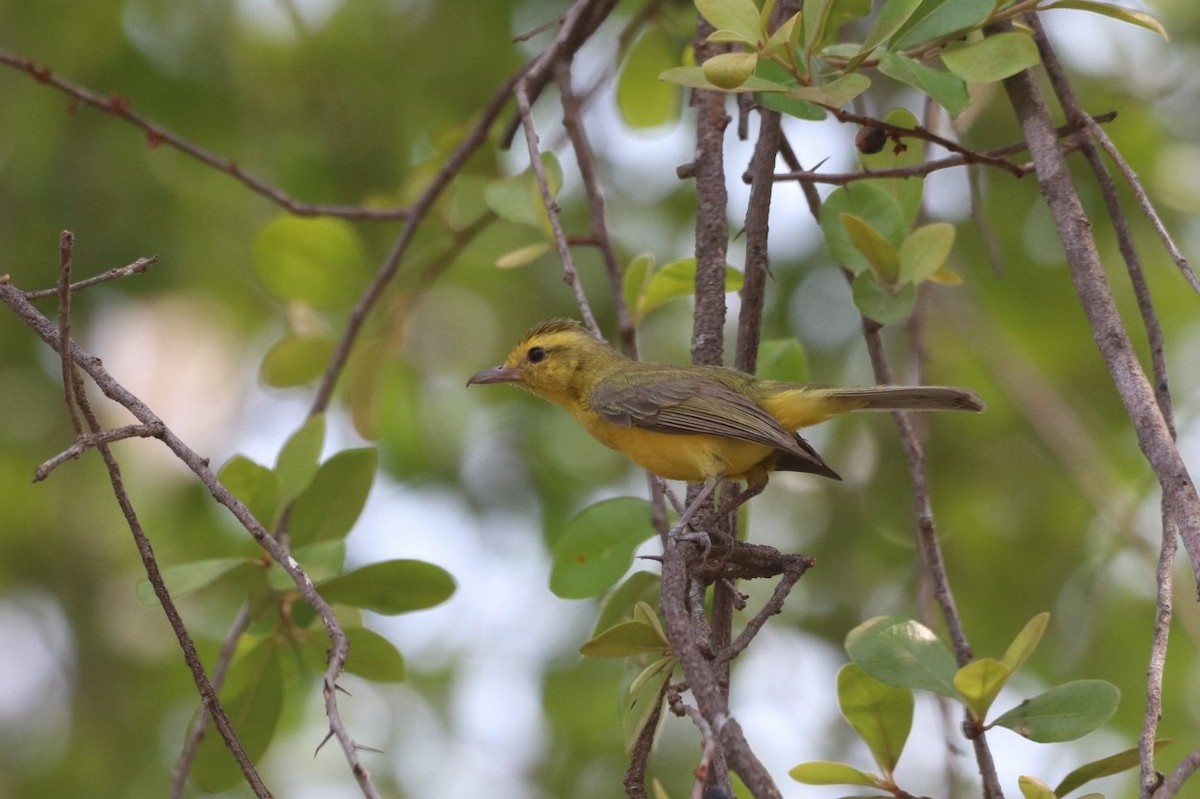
(497,374)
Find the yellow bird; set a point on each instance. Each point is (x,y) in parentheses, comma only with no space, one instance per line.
(694,423)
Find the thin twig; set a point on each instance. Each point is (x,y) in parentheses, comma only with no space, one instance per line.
(135,268)
(585,157)
(156,135)
(757,229)
(635,776)
(1108,330)
(14,298)
(85,441)
(191,746)
(796,566)
(66,245)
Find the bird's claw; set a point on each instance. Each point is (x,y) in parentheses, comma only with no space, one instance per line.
(703,539)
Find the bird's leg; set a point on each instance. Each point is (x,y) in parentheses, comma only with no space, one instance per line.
(685,518)
(732,498)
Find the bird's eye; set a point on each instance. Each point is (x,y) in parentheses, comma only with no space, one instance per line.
(536,354)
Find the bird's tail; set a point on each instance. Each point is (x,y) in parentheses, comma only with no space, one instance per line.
(797,406)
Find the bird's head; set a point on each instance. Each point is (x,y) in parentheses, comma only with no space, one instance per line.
(558,360)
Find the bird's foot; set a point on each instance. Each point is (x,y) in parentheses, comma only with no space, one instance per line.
(698,537)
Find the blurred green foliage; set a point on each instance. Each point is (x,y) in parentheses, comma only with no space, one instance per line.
(1043,502)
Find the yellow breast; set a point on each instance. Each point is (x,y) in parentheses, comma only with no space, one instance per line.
(676,456)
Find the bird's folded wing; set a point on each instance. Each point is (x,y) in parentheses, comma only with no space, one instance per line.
(688,403)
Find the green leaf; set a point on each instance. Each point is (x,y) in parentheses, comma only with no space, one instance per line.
(597,546)
(391,587)
(868,201)
(880,303)
(299,457)
(740,16)
(373,657)
(1139,18)
(948,90)
(782,359)
(331,504)
(729,71)
(1063,713)
(815,14)
(825,772)
(776,101)
(879,252)
(1104,767)
(925,250)
(937,18)
(979,682)
(835,94)
(880,713)
(522,256)
(1033,788)
(295,360)
(693,78)
(904,653)
(253,700)
(992,59)
(1026,641)
(619,604)
(892,15)
(781,39)
(636,280)
(255,485)
(676,279)
(318,261)
(643,101)
(185,578)
(625,639)
(645,694)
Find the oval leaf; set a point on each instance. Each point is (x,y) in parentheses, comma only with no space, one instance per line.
(880,713)
(879,252)
(836,93)
(925,250)
(993,58)
(1025,642)
(729,70)
(869,202)
(938,18)
(1104,767)
(645,694)
(522,256)
(643,101)
(739,16)
(625,639)
(318,261)
(979,682)
(295,360)
(947,89)
(299,457)
(331,504)
(255,485)
(1063,713)
(876,301)
(825,772)
(677,279)
(597,546)
(904,653)
(185,578)
(391,587)
(1033,788)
